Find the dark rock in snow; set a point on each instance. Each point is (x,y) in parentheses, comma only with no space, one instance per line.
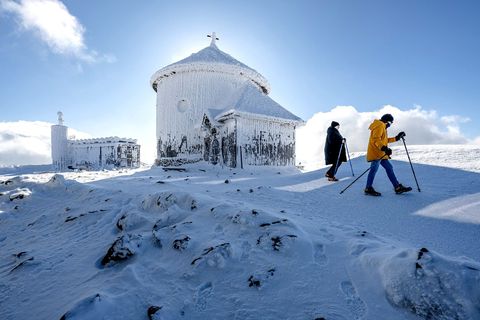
(266,224)
(418,266)
(219,252)
(193,205)
(181,244)
(20,254)
(20,194)
(174,169)
(70,218)
(123,248)
(252,282)
(227,181)
(152,310)
(121,223)
(280,221)
(421,252)
(22,263)
(438,288)
(276,241)
(257,280)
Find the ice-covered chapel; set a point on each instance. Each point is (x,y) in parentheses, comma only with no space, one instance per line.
(97,153)
(212,107)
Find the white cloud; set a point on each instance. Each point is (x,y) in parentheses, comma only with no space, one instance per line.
(28,142)
(421,127)
(476,141)
(51,21)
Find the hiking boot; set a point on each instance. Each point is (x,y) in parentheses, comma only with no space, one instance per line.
(371,192)
(401,189)
(330,178)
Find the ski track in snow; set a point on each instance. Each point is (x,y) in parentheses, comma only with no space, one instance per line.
(270,244)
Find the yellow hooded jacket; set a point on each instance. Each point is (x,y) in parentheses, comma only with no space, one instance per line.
(378,139)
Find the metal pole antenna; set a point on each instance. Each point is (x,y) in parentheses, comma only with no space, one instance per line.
(411,166)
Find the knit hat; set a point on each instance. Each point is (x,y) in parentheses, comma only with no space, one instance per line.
(335,123)
(387,118)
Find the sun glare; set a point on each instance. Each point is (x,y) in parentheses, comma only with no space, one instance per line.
(184,52)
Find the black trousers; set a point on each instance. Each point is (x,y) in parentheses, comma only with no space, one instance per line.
(333,169)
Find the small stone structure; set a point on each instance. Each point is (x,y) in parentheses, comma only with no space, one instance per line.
(91,154)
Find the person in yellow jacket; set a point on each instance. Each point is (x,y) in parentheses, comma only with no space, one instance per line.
(378,153)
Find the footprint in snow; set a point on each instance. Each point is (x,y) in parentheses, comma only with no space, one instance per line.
(358,249)
(326,235)
(319,254)
(354,302)
(202,295)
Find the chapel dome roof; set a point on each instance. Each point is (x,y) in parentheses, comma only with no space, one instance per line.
(211,59)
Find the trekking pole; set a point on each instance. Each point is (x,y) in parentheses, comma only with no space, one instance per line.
(338,158)
(354,181)
(413,171)
(349,161)
(359,176)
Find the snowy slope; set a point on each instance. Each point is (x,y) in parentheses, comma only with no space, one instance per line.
(259,243)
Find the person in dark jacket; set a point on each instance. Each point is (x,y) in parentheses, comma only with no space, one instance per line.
(334,150)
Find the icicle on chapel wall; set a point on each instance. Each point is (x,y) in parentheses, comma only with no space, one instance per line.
(220,144)
(103,155)
(182,101)
(266,142)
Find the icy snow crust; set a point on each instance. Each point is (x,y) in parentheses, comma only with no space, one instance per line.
(211,59)
(259,243)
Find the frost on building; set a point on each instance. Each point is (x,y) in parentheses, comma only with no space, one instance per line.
(213,107)
(91,154)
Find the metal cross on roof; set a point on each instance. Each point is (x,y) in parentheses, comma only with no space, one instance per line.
(214,37)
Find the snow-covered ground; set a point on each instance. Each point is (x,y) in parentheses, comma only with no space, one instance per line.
(257,243)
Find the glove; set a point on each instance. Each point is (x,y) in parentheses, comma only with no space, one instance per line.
(387,150)
(400,136)
(344,140)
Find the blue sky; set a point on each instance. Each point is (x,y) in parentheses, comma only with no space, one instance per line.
(315,54)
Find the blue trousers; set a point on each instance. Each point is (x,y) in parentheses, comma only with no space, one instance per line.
(388,168)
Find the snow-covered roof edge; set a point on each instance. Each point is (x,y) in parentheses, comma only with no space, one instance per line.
(103,140)
(172,70)
(231,113)
(248,99)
